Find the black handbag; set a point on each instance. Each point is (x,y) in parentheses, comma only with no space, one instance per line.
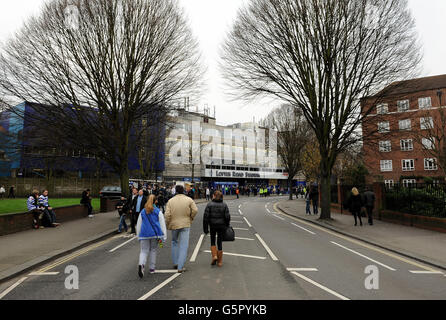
(229,234)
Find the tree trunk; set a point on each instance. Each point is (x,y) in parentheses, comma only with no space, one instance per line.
(325,195)
(193,173)
(289,188)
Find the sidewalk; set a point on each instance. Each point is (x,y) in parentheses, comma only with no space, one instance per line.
(419,244)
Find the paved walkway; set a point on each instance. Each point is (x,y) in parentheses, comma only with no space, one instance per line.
(424,245)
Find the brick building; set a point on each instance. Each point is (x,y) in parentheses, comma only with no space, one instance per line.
(403,130)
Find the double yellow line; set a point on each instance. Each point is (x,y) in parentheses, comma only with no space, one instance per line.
(77,254)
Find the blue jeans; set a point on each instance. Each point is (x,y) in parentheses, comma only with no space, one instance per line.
(122,223)
(308,211)
(180,244)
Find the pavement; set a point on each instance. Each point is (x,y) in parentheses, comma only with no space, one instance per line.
(423,245)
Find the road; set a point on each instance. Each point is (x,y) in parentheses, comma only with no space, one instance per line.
(275,257)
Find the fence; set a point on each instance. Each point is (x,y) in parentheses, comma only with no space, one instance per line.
(58,187)
(420,199)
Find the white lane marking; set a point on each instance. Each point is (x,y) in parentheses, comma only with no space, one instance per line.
(43,274)
(241,229)
(122,244)
(250,225)
(4,293)
(275,215)
(320,286)
(248,239)
(364,256)
(268,210)
(302,269)
(166,271)
(197,248)
(267,248)
(239,255)
(303,228)
(240,211)
(232,221)
(239,206)
(154,290)
(425,272)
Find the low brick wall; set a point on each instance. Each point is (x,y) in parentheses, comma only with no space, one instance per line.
(422,222)
(12,223)
(108,205)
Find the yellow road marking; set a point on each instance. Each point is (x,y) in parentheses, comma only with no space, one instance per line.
(357,242)
(77,254)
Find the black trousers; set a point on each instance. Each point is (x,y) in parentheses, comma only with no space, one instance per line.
(89,207)
(357,213)
(370,214)
(217,236)
(134,220)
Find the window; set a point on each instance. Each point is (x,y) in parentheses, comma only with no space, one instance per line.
(405,124)
(389,184)
(408,165)
(406,145)
(382,108)
(426,123)
(403,105)
(425,103)
(428,144)
(384,127)
(430,164)
(408,182)
(385,146)
(386,165)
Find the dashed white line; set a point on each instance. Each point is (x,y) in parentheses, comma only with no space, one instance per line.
(303,228)
(250,225)
(268,210)
(320,286)
(232,221)
(267,248)
(4,293)
(425,272)
(240,211)
(154,290)
(166,271)
(241,229)
(197,248)
(364,256)
(248,239)
(239,255)
(43,274)
(302,269)
(123,244)
(275,215)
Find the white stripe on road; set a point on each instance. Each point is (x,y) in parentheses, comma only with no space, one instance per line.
(268,210)
(247,222)
(197,248)
(275,215)
(4,293)
(123,244)
(425,272)
(153,291)
(240,211)
(248,239)
(303,228)
(239,255)
(43,274)
(302,269)
(267,248)
(166,271)
(236,221)
(241,229)
(320,286)
(364,256)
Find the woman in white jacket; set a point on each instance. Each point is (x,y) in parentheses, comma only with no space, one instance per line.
(151,231)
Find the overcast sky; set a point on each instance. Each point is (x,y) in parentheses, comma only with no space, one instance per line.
(211,19)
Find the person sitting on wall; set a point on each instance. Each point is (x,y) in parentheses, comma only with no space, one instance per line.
(86,201)
(33,207)
(49,216)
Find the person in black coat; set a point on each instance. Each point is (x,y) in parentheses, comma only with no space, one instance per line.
(314,196)
(217,218)
(354,205)
(136,209)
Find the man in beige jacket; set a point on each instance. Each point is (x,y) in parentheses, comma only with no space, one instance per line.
(180,212)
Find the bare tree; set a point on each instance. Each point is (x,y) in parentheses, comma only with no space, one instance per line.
(322,57)
(293,134)
(97,67)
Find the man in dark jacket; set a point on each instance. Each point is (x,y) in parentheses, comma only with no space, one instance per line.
(86,201)
(369,203)
(138,204)
(216,216)
(314,196)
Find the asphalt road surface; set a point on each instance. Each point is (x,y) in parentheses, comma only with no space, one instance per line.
(274,257)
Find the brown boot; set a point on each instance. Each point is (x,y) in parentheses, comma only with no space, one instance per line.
(220,258)
(214,255)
